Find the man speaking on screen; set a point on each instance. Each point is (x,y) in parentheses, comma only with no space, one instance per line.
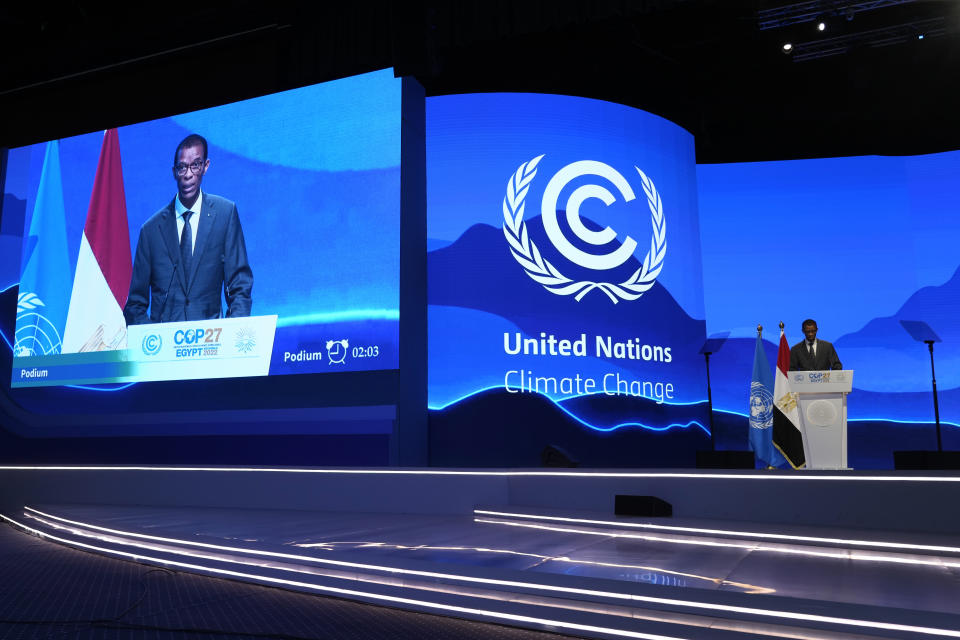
(190,251)
(813,354)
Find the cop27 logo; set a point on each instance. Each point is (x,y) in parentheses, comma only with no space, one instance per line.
(526,253)
(151,344)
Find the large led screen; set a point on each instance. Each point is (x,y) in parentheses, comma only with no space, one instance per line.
(291,263)
(564,283)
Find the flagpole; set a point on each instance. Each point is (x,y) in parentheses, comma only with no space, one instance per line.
(936,405)
(713,438)
(710,347)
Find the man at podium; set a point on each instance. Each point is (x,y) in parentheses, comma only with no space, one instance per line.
(812,354)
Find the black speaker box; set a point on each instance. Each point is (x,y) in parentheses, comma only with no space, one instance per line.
(726,460)
(644,506)
(926,460)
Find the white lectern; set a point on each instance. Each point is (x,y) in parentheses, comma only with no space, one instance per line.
(822,408)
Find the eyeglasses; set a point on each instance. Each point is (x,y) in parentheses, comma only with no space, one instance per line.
(194,166)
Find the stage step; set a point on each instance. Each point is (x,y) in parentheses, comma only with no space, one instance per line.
(451,584)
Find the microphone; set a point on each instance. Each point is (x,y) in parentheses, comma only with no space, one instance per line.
(166,297)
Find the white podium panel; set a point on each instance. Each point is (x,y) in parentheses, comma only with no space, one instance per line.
(822,408)
(220,348)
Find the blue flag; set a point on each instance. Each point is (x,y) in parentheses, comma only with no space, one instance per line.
(45,279)
(761,410)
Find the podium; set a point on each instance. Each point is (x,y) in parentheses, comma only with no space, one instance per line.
(822,409)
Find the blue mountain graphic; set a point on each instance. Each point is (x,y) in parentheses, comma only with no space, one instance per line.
(478,272)
(507,430)
(888,359)
(937,306)
(12,215)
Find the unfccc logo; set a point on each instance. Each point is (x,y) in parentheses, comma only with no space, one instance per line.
(151,344)
(541,270)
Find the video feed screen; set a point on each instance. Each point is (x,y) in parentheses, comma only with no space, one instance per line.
(250,239)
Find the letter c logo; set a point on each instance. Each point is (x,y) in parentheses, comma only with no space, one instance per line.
(548,212)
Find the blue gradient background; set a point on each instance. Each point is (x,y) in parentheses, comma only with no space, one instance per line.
(857,243)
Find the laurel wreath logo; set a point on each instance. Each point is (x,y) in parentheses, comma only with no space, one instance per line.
(525,251)
(27,301)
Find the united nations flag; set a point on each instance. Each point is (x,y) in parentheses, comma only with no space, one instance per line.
(761,409)
(45,276)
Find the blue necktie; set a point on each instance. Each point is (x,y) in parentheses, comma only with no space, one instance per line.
(186,245)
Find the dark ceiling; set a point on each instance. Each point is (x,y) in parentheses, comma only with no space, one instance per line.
(76,67)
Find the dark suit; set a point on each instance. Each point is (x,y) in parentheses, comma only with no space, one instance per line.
(219,264)
(826,357)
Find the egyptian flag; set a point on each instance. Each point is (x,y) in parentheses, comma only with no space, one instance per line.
(95,318)
(786,430)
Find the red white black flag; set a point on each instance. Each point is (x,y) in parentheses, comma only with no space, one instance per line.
(95,318)
(786,420)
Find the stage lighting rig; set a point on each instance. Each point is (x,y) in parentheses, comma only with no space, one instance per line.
(883,37)
(815,10)
(833,36)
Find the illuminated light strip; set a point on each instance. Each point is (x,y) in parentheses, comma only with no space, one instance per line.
(358,565)
(725,532)
(893,420)
(441,407)
(332,546)
(88,388)
(587,606)
(350,592)
(790,615)
(692,423)
(763,475)
(564,398)
(842,555)
(577,418)
(339,563)
(565,603)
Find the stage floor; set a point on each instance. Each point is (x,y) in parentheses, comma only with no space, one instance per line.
(583,573)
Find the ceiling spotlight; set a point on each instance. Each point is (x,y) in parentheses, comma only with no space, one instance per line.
(787,48)
(821,26)
(920,37)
